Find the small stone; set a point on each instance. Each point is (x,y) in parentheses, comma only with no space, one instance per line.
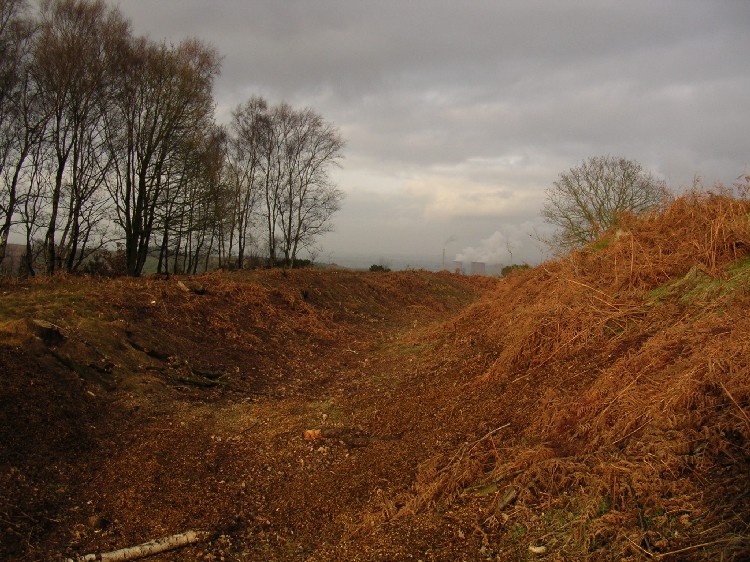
(537,549)
(312,434)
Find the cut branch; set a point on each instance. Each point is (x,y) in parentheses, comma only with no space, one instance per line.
(146,549)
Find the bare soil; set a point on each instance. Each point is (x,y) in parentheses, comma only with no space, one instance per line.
(149,410)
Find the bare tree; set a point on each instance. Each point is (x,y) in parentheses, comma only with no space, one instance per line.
(587,200)
(100,130)
(38,184)
(73,61)
(297,150)
(165,95)
(275,170)
(309,197)
(209,202)
(11,59)
(249,138)
(21,121)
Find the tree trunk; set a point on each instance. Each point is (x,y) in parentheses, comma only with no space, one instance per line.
(163,253)
(50,237)
(5,228)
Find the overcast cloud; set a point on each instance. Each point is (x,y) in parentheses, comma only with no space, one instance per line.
(459,114)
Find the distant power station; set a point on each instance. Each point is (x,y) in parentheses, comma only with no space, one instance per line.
(478,268)
(475,268)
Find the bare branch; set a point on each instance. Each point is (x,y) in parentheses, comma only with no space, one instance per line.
(588,199)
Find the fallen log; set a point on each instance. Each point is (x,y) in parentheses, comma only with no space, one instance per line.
(146,549)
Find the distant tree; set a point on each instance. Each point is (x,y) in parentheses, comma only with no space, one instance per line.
(309,198)
(378,267)
(587,200)
(281,157)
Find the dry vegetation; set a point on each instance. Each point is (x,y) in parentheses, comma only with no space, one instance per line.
(622,423)
(595,407)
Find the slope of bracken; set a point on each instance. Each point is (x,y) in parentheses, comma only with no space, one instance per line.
(593,408)
(618,383)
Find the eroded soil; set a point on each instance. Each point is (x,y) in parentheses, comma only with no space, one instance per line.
(161,408)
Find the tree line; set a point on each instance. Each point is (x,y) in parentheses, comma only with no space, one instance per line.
(110,138)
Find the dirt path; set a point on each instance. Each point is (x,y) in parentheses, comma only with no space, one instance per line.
(157,455)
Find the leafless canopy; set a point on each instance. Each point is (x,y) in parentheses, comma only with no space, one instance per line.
(108,138)
(587,200)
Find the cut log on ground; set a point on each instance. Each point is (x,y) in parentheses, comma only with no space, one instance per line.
(146,549)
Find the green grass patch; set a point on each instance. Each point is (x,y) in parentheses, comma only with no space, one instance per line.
(600,244)
(698,287)
(325,410)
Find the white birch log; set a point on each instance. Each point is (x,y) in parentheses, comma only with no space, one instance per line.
(146,549)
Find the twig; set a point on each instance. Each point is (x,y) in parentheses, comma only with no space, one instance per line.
(491,433)
(693,547)
(632,432)
(639,547)
(596,290)
(623,391)
(632,261)
(559,348)
(460,454)
(744,415)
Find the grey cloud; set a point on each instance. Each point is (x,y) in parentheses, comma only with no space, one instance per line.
(452,103)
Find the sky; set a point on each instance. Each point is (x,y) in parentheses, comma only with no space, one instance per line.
(458,114)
